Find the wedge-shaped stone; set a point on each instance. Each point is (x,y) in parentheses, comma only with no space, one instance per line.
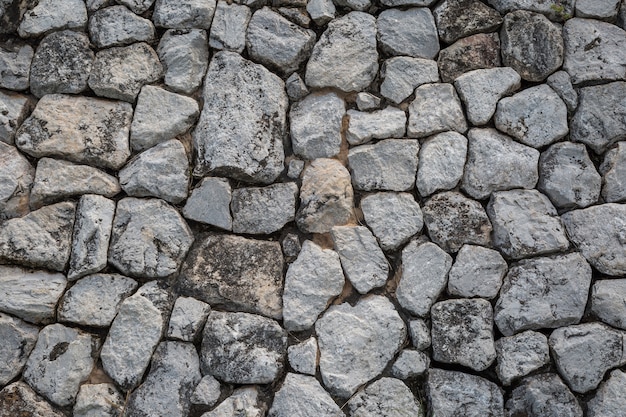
(264,210)
(436,109)
(441,163)
(613,170)
(457,19)
(184,54)
(520,354)
(16,179)
(477,272)
(187,319)
(474,52)
(209,203)
(304,396)
(18,339)
(15,57)
(402,74)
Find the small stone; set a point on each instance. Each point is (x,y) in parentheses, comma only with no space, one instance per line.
(14,109)
(568,177)
(496,162)
(209,203)
(207,392)
(94,5)
(609,399)
(77,305)
(601,10)
(382,124)
(560,11)
(103,400)
(481,90)
(394,3)
(454,220)
(543,395)
(40,239)
(61,360)
(326,196)
(356,343)
(457,19)
(420,334)
(243,401)
(185,14)
(409,32)
(315,124)
(303,396)
(367,101)
(299,16)
(613,170)
(137,6)
(312,281)
(360,5)
(80,129)
(296,88)
(467,54)
(16,179)
(535,117)
(436,109)
(144,248)
(477,272)
(453,393)
(235,273)
(15,60)
(393,218)
(345,55)
(228,29)
(18,398)
(410,364)
(321,11)
(419,288)
(608,301)
(402,75)
(388,397)
(187,319)
(45,16)
(520,355)
(561,83)
(291,246)
(185,58)
(296,166)
(544,292)
(303,356)
(18,340)
(118,26)
(242,348)
(386,165)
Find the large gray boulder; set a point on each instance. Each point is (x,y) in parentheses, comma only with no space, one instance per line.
(228,28)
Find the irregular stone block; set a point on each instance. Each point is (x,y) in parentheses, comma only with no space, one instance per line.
(209,203)
(264,210)
(477,272)
(436,109)
(184,54)
(187,319)
(521,354)
(18,340)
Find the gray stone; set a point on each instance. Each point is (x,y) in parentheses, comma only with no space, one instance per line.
(174,374)
(235,273)
(568,177)
(585,352)
(40,239)
(545,292)
(15,60)
(187,319)
(394,3)
(419,288)
(184,14)
(467,54)
(535,117)
(243,401)
(345,55)
(520,355)
(16,179)
(420,334)
(599,9)
(57,180)
(209,203)
(315,124)
(14,108)
(481,90)
(594,51)
(295,168)
(402,75)
(356,343)
(454,220)
(312,281)
(326,196)
(18,340)
(598,233)
(92,232)
(303,356)
(45,16)
(103,400)
(303,396)
(608,301)
(600,119)
(390,164)
(453,393)
(134,334)
(299,16)
(360,5)
(185,58)
(477,272)
(560,11)
(436,109)
(60,362)
(11,12)
(243,121)
(117,26)
(389,122)
(393,218)
(386,397)
(367,101)
(561,83)
(243,348)
(496,162)
(291,246)
(207,392)
(77,305)
(228,29)
(94,5)
(609,399)
(276,42)
(144,248)
(18,398)
(457,19)
(543,395)
(321,11)
(61,64)
(137,6)
(30,295)
(613,170)
(410,32)
(410,364)
(296,88)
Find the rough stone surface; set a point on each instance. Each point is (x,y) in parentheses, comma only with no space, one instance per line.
(296,88)
(118,26)
(410,364)
(207,391)
(382,124)
(185,58)
(321,11)
(18,340)
(303,356)
(14,109)
(367,101)
(386,397)
(16,178)
(520,355)
(401,75)
(436,109)
(184,14)
(457,19)
(45,16)
(209,203)
(561,83)
(137,6)
(228,29)
(543,395)
(467,54)
(15,60)
(477,272)
(303,396)
(613,170)
(410,32)
(556,12)
(243,401)
(103,400)
(601,10)
(609,399)
(187,319)
(608,301)
(19,398)
(420,334)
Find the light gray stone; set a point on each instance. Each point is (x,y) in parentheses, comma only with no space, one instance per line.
(520,355)
(388,397)
(209,203)
(601,10)
(474,52)
(80,129)
(117,26)
(321,11)
(103,400)
(420,334)
(356,343)
(187,319)
(419,288)
(19,398)
(18,340)
(568,177)
(77,305)
(315,124)
(312,281)
(303,396)
(367,101)
(360,5)
(15,60)
(243,121)
(390,164)
(389,122)
(92,232)
(14,109)
(436,109)
(137,6)
(45,16)
(545,292)
(297,15)
(613,170)
(295,168)
(410,364)
(393,218)
(557,12)
(561,83)
(296,88)
(185,58)
(144,248)
(543,395)
(608,301)
(303,356)
(410,32)
(345,55)
(457,19)
(207,392)
(401,75)
(477,272)
(243,401)
(609,399)
(228,29)
(481,89)
(16,179)
(184,14)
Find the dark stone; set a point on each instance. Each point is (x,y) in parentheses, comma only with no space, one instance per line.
(457,19)
(543,395)
(474,52)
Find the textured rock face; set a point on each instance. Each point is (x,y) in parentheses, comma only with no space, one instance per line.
(263,210)
(457,19)
(467,54)
(303,356)
(185,58)
(14,108)
(436,109)
(244,401)
(187,319)
(387,123)
(18,398)
(543,395)
(409,32)
(103,399)
(393,218)
(477,272)
(184,14)
(18,340)
(209,203)
(16,177)
(521,354)
(16,58)
(117,26)
(613,170)
(46,16)
(402,74)
(608,399)
(608,301)
(385,397)
(304,396)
